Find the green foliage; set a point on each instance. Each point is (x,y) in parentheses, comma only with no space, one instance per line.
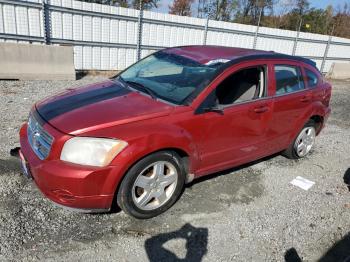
(181,7)
(294,13)
(248,11)
(222,10)
(314,21)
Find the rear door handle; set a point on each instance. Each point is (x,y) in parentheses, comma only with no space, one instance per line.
(305,99)
(261,109)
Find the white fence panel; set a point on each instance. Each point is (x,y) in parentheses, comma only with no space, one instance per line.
(229,39)
(2,24)
(9,18)
(106,37)
(277,45)
(232,26)
(341,40)
(339,51)
(311,49)
(35,22)
(277,32)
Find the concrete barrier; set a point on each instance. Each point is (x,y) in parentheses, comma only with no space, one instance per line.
(36,62)
(339,71)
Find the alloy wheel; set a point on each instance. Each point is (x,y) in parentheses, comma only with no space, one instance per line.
(155,185)
(305,141)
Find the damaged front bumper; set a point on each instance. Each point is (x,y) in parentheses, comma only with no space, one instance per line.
(69,185)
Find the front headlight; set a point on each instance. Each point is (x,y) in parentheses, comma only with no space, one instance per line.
(91,151)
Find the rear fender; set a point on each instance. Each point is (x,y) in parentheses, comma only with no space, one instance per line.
(316,109)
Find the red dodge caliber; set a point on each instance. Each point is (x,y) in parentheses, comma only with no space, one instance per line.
(176,115)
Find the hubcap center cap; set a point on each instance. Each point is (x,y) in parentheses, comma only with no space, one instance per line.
(154,185)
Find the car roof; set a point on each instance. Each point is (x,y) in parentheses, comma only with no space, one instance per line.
(205,54)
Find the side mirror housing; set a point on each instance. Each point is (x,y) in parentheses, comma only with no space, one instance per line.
(210,104)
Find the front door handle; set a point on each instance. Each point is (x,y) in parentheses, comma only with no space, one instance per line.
(261,109)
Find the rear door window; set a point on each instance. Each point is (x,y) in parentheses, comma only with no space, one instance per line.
(288,79)
(312,78)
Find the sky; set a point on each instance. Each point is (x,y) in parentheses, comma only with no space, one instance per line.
(163,4)
(325,3)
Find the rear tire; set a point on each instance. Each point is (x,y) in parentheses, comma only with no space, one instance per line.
(303,143)
(152,185)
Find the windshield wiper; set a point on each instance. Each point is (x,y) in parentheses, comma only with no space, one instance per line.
(144,88)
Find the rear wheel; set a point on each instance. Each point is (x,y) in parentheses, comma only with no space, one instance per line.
(303,143)
(152,185)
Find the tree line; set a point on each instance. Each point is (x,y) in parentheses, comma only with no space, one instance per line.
(283,14)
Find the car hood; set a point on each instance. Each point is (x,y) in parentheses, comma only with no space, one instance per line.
(96,106)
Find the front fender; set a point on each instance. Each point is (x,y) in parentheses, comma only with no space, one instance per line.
(144,138)
(165,137)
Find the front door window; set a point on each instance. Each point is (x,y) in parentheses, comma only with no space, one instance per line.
(242,86)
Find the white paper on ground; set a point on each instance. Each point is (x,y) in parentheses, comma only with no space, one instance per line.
(302,183)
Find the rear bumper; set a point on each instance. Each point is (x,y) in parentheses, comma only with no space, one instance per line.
(85,188)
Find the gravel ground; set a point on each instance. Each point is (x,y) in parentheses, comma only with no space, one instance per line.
(251,213)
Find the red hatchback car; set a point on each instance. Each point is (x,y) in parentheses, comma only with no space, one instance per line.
(178,114)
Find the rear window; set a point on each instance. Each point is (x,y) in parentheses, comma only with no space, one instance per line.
(288,79)
(312,78)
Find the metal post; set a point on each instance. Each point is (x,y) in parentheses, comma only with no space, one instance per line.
(326,50)
(139,32)
(205,31)
(326,53)
(46,22)
(257,30)
(297,37)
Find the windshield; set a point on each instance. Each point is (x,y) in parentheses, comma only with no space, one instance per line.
(168,76)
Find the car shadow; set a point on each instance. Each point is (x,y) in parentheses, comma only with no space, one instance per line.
(196,244)
(116,209)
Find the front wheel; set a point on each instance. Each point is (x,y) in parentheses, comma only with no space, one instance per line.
(152,185)
(303,143)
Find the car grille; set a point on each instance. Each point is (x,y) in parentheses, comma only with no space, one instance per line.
(39,139)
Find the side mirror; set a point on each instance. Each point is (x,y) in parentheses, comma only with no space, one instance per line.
(216,108)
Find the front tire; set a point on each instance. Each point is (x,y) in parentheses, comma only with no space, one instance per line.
(152,185)
(303,143)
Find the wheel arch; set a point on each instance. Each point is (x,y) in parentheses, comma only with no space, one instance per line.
(315,113)
(185,158)
(318,119)
(183,154)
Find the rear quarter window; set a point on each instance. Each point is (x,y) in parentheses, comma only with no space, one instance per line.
(288,79)
(311,78)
